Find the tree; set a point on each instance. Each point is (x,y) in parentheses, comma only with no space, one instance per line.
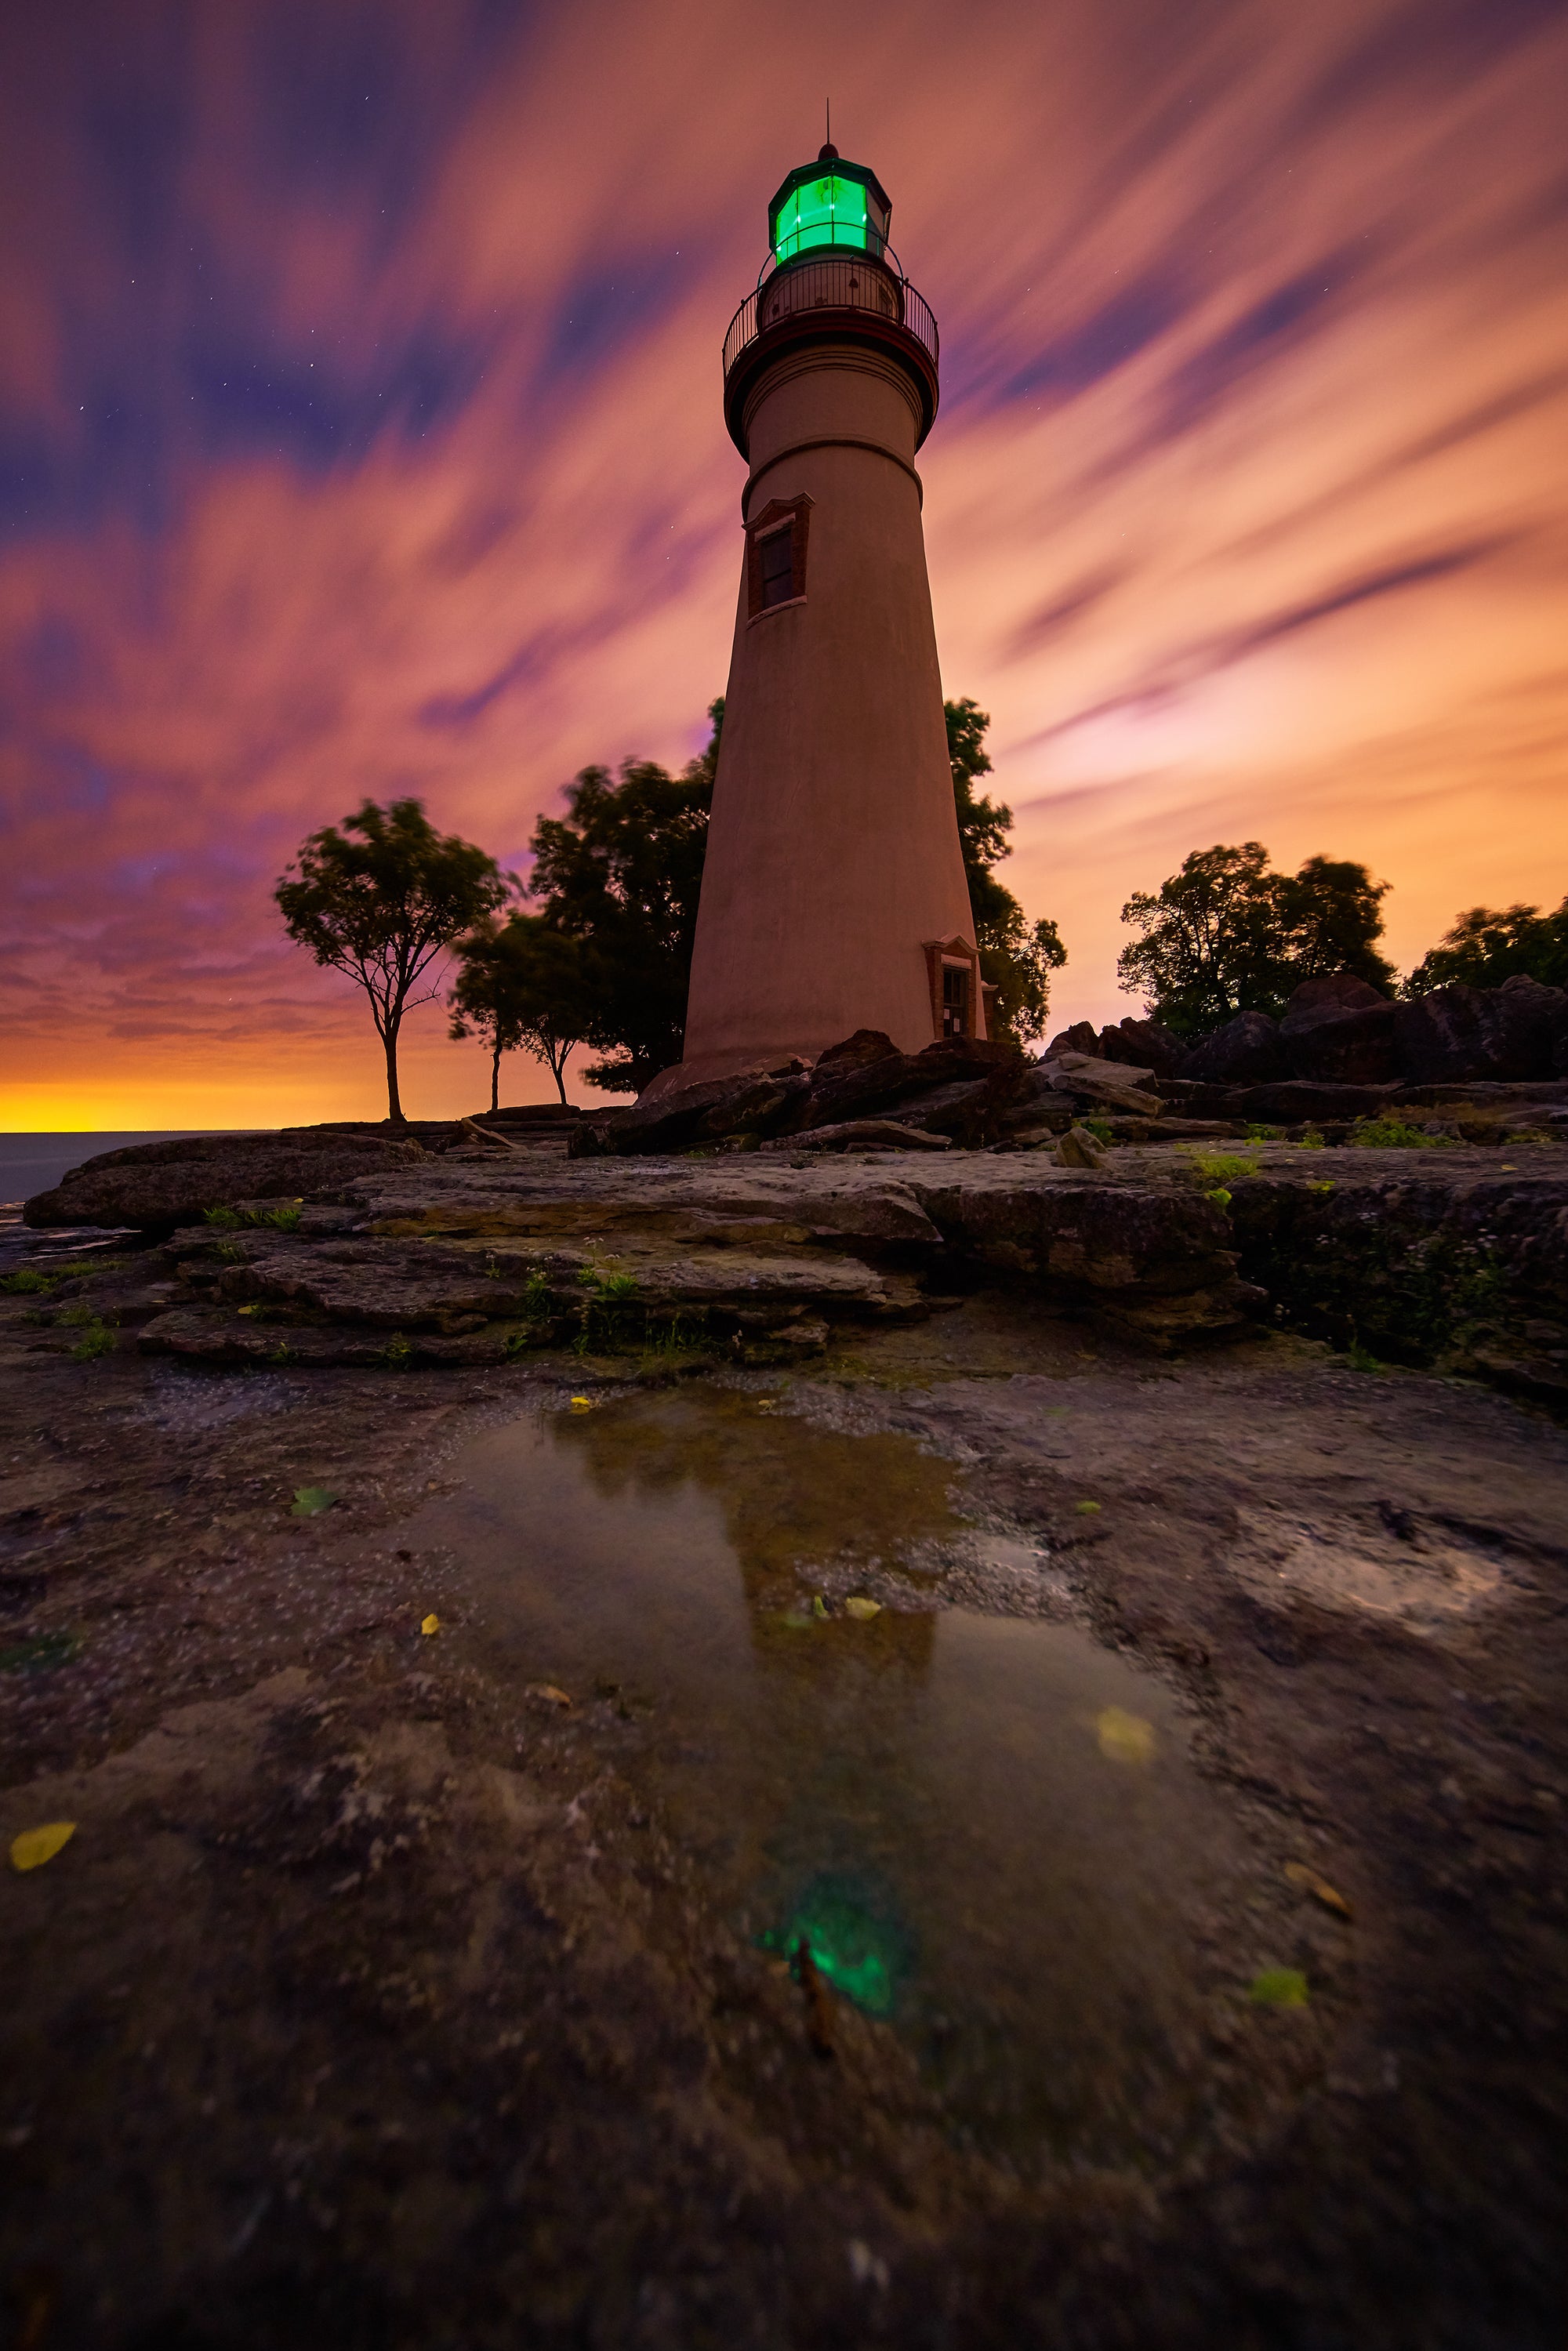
(521,984)
(1015,956)
(379,899)
(1226,934)
(620,872)
(1485,948)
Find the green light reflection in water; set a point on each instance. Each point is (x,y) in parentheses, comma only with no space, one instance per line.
(855,1941)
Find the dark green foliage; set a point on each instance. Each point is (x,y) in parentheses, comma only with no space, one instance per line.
(523,983)
(1486,946)
(1015,956)
(620,873)
(1226,934)
(379,899)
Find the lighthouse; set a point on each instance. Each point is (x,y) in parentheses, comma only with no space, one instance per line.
(834,893)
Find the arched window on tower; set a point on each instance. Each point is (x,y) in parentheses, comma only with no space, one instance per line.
(775,555)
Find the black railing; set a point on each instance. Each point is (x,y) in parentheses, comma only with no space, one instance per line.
(830,285)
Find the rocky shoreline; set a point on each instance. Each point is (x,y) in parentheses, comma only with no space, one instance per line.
(1442,1244)
(375,1987)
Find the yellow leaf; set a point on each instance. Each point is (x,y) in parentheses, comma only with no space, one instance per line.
(1279,1988)
(864,1609)
(35,1847)
(1125,1738)
(581,1404)
(1318,1887)
(548,1692)
(430,1624)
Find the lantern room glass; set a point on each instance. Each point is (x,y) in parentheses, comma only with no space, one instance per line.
(830,211)
(827,203)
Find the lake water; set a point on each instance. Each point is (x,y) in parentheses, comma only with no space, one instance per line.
(36,1163)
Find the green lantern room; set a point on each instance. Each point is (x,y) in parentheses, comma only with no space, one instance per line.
(829,203)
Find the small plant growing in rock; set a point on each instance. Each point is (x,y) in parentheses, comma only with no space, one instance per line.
(282,1220)
(604,1307)
(1395,1134)
(1218,1167)
(1099,1128)
(29,1283)
(398,1353)
(1310,1141)
(225,1219)
(96,1340)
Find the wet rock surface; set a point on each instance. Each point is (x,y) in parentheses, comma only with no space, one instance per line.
(374,1998)
(1423,1248)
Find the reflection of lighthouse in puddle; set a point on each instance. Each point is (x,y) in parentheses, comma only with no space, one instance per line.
(835,1698)
(984,1827)
(836,1694)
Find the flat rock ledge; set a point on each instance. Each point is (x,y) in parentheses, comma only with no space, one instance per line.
(325,1247)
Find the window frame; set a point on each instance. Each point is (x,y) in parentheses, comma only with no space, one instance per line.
(942,955)
(778,515)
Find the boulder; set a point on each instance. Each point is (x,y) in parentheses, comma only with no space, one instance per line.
(1519,1031)
(1158,1262)
(1533,1019)
(1321,999)
(157,1187)
(1354,1047)
(967,1082)
(1248,1052)
(1078,1148)
(861,1134)
(1111,1084)
(751,1104)
(1145,1043)
(1339,1030)
(859,1052)
(1080,1039)
(1301,1102)
(865,1087)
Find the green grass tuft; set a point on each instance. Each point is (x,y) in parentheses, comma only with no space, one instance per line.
(1394,1135)
(1218,1167)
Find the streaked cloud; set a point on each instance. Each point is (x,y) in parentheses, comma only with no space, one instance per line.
(360,433)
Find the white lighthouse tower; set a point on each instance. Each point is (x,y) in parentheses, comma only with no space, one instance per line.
(834,896)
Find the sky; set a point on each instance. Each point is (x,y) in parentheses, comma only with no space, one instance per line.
(360,435)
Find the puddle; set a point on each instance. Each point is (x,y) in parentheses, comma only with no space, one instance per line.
(987,1827)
